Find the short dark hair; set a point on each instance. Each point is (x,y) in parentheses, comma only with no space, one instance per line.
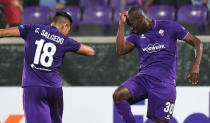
(62,15)
(134,13)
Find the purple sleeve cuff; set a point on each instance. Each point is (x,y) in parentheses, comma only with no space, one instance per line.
(21,30)
(24,29)
(180,31)
(184,35)
(131,38)
(73,45)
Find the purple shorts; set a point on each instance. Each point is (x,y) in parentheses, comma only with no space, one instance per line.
(161,95)
(43,104)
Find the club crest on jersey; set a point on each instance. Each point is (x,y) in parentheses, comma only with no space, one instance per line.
(142,36)
(161,32)
(151,48)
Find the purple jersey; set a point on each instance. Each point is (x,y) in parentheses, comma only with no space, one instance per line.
(157,49)
(45,47)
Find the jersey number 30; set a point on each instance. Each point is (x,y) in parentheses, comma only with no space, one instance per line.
(46,58)
(169,107)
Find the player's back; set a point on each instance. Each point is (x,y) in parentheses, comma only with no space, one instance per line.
(45,47)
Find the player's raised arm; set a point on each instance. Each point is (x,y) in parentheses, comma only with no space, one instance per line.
(86,50)
(123,47)
(10,32)
(197,44)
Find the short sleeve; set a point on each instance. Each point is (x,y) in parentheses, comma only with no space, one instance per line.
(24,29)
(131,38)
(179,31)
(73,45)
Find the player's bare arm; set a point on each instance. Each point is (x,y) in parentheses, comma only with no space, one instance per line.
(86,50)
(10,32)
(123,47)
(197,44)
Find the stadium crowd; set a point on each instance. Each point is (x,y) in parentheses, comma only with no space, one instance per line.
(102,16)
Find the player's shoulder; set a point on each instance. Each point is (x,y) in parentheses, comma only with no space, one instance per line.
(167,23)
(132,37)
(133,34)
(163,22)
(42,26)
(32,26)
(69,39)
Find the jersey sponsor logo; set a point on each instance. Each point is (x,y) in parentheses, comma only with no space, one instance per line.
(44,69)
(151,48)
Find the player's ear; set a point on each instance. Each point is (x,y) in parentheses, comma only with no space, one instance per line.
(66,28)
(62,26)
(66,25)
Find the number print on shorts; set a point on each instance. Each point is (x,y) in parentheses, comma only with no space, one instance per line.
(49,50)
(169,108)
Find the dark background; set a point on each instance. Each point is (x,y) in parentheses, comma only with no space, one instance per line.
(106,68)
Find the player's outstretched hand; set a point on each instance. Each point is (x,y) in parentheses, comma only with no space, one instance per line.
(123,16)
(194,74)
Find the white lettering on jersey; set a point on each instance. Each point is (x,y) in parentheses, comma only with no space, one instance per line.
(44,69)
(151,48)
(37,30)
(52,37)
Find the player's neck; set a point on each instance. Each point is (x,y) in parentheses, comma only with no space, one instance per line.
(57,26)
(148,23)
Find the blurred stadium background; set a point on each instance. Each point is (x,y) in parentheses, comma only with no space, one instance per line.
(95,22)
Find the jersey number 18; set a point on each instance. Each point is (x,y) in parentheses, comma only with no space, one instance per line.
(49,50)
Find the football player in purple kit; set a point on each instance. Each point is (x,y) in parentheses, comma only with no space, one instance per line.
(45,47)
(156,41)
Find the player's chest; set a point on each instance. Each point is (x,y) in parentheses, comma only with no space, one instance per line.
(154,41)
